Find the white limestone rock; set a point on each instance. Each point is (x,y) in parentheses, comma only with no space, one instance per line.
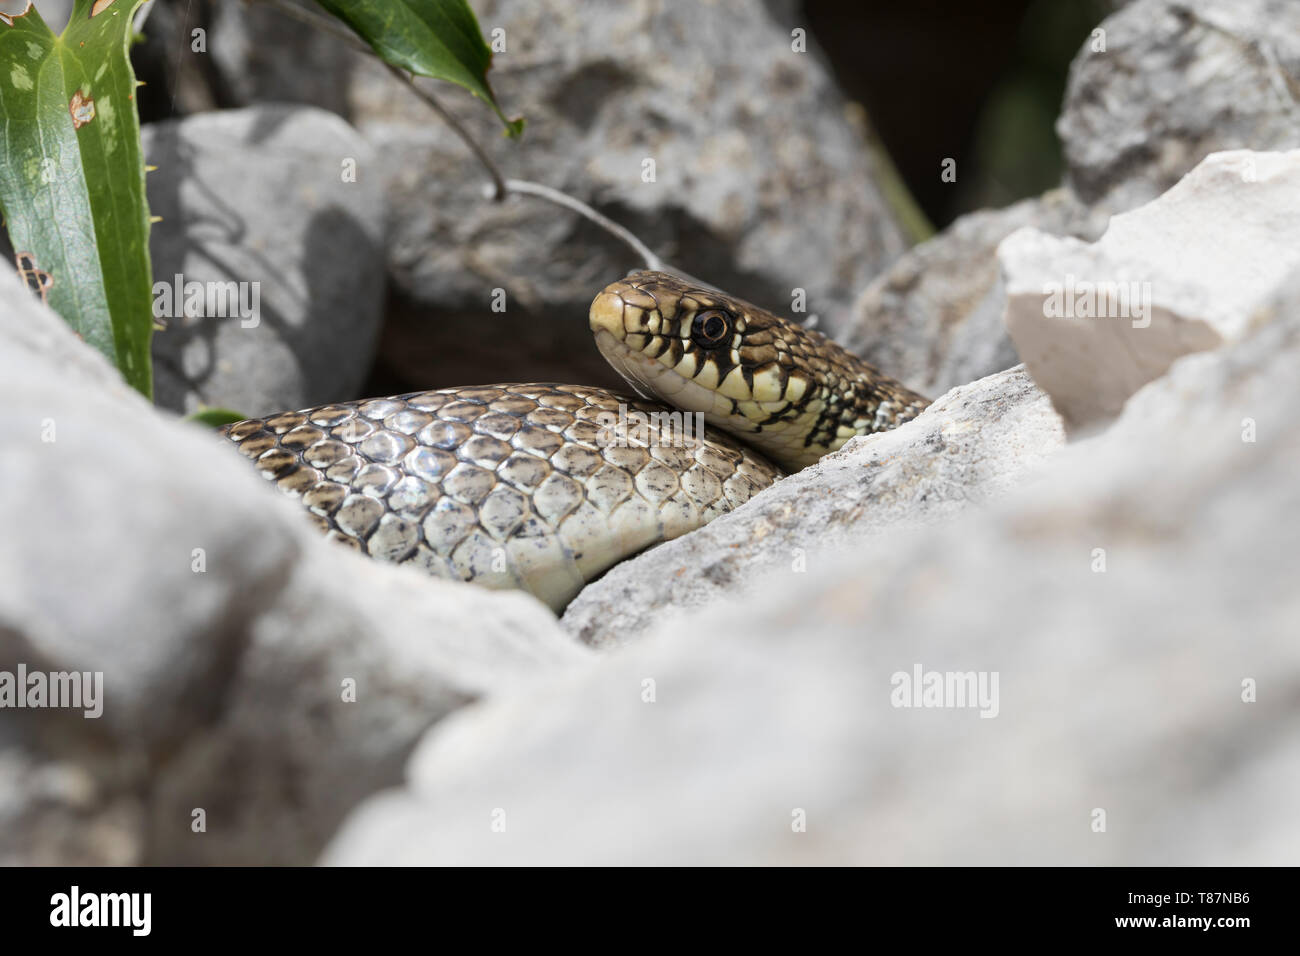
(1186,272)
(1146,714)
(251,669)
(971,446)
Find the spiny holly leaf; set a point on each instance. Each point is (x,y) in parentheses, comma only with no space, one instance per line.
(72,176)
(435,38)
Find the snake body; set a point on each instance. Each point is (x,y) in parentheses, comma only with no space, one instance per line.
(543,486)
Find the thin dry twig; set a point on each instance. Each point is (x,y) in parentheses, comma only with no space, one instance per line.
(528,188)
(498,191)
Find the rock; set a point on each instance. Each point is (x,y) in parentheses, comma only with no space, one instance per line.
(55,13)
(225,628)
(260,54)
(197,57)
(1178,80)
(1186,272)
(257,197)
(1145,715)
(413,653)
(933,319)
(761,184)
(55,811)
(970,446)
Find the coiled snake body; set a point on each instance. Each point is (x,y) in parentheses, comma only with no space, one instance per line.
(542,486)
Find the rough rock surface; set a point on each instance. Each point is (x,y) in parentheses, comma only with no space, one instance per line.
(1145,714)
(261,54)
(224,668)
(1186,272)
(1178,80)
(258,196)
(201,56)
(761,183)
(934,318)
(969,447)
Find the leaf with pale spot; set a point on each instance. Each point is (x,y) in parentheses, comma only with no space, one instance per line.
(72,176)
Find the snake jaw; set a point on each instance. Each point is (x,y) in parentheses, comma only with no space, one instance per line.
(612,320)
(656,382)
(630,365)
(623,311)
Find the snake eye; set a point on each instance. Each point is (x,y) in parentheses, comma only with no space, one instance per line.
(711,327)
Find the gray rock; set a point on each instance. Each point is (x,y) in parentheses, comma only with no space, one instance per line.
(934,318)
(259,54)
(55,13)
(1122,734)
(285,759)
(221,54)
(223,624)
(971,446)
(55,811)
(257,197)
(762,185)
(1186,272)
(1178,80)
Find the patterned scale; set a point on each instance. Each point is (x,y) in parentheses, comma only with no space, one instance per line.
(533,486)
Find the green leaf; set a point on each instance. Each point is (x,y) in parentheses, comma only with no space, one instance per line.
(215,417)
(435,38)
(72,176)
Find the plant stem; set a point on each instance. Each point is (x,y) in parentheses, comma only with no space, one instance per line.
(320,22)
(498,181)
(500,186)
(527,188)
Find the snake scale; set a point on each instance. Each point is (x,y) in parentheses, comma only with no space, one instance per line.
(542,486)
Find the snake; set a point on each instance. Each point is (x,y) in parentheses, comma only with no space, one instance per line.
(543,487)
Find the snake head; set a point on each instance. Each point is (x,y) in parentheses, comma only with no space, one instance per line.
(787,390)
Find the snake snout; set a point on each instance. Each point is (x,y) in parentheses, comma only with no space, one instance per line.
(606,314)
(630,306)
(613,319)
